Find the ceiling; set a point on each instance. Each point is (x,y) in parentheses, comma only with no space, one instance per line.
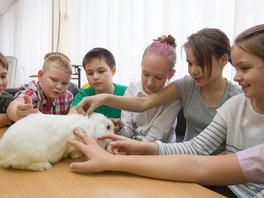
(4,4)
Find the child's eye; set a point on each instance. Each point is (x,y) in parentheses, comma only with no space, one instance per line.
(189,64)
(3,76)
(100,72)
(53,79)
(159,78)
(89,73)
(244,68)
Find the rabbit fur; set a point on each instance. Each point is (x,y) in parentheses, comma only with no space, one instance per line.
(39,140)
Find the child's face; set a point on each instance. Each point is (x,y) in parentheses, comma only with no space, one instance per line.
(54,82)
(99,76)
(3,79)
(155,72)
(201,76)
(249,73)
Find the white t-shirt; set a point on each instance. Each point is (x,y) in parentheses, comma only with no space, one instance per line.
(154,124)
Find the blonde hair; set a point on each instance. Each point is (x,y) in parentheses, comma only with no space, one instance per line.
(3,61)
(56,53)
(57,61)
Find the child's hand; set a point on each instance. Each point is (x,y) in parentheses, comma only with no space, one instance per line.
(122,145)
(89,104)
(118,124)
(97,158)
(25,109)
(4,120)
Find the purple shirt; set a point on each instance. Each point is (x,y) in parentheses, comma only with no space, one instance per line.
(251,162)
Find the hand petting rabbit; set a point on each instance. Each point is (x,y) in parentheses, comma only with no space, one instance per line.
(39,140)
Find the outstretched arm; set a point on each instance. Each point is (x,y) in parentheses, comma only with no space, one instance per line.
(135,104)
(123,145)
(205,170)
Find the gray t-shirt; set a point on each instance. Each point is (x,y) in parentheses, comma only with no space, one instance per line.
(197,113)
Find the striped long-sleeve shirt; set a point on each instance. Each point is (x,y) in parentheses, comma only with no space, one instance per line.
(239,125)
(203,144)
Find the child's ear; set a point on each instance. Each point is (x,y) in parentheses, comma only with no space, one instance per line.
(40,75)
(113,70)
(224,60)
(171,74)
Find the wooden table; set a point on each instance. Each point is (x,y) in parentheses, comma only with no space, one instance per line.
(61,182)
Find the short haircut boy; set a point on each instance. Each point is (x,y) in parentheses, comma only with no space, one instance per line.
(41,94)
(57,61)
(100,53)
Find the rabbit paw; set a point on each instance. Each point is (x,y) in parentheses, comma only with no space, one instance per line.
(75,154)
(38,166)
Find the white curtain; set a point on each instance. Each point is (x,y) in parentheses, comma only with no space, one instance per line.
(125,27)
(26,32)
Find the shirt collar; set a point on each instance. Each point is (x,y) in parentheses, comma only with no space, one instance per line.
(140,91)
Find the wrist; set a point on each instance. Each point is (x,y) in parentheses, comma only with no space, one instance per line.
(115,163)
(109,99)
(150,148)
(105,98)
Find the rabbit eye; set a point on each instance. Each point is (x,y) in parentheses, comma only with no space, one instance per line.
(108,127)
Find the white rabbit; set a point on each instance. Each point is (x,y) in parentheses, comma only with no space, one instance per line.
(39,140)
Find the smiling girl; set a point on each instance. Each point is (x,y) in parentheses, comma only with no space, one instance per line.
(157,69)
